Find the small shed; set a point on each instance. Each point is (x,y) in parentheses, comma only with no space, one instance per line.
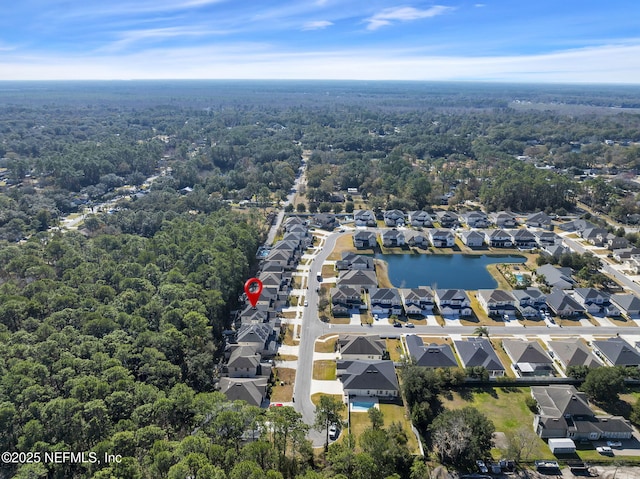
(562,445)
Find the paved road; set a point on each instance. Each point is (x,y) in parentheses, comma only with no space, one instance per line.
(276,224)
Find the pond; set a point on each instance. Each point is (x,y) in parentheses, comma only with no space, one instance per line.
(460,271)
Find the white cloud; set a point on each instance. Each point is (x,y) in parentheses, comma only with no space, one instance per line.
(317,25)
(127,38)
(403,14)
(604,64)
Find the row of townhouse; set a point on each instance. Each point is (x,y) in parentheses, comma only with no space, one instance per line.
(449,219)
(531,301)
(252,343)
(445,238)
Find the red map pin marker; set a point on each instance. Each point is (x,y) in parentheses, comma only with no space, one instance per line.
(253,288)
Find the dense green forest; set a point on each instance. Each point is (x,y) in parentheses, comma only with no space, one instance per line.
(111,335)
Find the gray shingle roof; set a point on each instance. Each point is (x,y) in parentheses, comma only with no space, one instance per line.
(478,352)
(373,375)
(431,356)
(618,351)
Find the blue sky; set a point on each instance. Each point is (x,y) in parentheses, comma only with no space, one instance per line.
(592,41)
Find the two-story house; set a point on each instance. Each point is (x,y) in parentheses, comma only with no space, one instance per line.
(497,302)
(385,301)
(442,238)
(393,218)
(417,301)
(453,303)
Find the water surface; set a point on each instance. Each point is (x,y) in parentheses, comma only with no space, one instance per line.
(460,271)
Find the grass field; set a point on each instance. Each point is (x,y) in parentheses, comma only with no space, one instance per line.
(326,344)
(395,349)
(382,272)
(505,407)
(284,392)
(324,370)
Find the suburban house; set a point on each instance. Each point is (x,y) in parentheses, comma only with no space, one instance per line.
(392,238)
(497,302)
(431,356)
(593,300)
(573,352)
(420,218)
(498,238)
(563,305)
(628,304)
(617,352)
(442,238)
(345,299)
(357,347)
(393,218)
(385,301)
(504,219)
(632,264)
(261,337)
(243,362)
(563,411)
(546,238)
(555,250)
(478,352)
(594,235)
(625,253)
(476,219)
(292,221)
(417,301)
(539,220)
(416,238)
(453,303)
(364,218)
(368,378)
(325,221)
(528,358)
(260,314)
(447,219)
(523,238)
(556,277)
(364,239)
(576,226)
(530,301)
(251,390)
(358,278)
(354,261)
(614,242)
(471,238)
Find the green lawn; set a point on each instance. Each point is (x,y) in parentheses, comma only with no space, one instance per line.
(324,370)
(505,407)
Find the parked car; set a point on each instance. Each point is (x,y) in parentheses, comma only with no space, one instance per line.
(396,324)
(482,467)
(333,432)
(614,444)
(306,303)
(605,450)
(410,325)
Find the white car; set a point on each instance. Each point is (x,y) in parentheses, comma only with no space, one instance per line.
(333,432)
(614,444)
(306,303)
(605,450)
